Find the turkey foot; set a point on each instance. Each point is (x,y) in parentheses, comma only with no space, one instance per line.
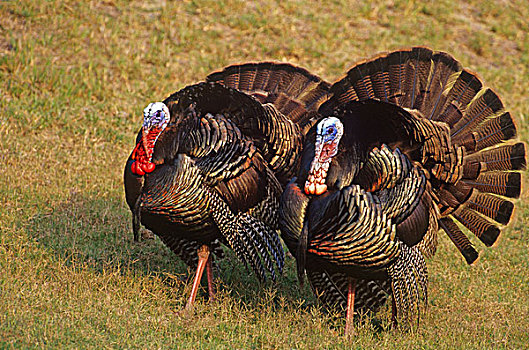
(350,306)
(203,260)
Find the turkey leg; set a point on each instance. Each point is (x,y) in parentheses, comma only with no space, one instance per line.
(393,312)
(350,305)
(203,258)
(209,274)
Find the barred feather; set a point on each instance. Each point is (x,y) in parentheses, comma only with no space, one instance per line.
(250,239)
(506,184)
(459,95)
(409,284)
(444,66)
(490,133)
(486,231)
(292,90)
(499,210)
(459,239)
(331,289)
(484,106)
(506,157)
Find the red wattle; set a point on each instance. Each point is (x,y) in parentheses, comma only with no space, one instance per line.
(315,188)
(307,188)
(139,170)
(148,167)
(135,151)
(136,169)
(142,153)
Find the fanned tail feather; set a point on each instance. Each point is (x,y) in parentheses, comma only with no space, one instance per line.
(490,133)
(506,157)
(484,163)
(496,208)
(458,96)
(485,230)
(414,78)
(482,107)
(459,239)
(294,91)
(506,184)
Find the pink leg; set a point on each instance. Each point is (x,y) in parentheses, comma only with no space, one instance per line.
(350,306)
(203,255)
(393,313)
(209,273)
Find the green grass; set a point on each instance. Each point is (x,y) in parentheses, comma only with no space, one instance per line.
(74,78)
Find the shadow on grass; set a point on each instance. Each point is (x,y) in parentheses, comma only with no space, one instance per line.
(97,231)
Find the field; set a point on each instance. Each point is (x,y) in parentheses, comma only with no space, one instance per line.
(74,79)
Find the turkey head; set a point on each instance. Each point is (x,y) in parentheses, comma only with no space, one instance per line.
(155,119)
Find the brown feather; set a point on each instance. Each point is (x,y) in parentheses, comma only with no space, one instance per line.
(486,231)
(459,239)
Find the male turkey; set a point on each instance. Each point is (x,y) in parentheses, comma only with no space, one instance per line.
(207,161)
(408,142)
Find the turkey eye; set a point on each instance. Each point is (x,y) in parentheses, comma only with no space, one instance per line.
(330,131)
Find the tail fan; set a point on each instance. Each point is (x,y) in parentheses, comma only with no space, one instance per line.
(295,92)
(486,162)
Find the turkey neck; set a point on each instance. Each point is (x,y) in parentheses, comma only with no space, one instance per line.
(343,167)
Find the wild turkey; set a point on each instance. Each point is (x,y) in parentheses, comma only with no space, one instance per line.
(409,142)
(204,168)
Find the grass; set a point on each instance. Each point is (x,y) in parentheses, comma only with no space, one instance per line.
(74,78)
